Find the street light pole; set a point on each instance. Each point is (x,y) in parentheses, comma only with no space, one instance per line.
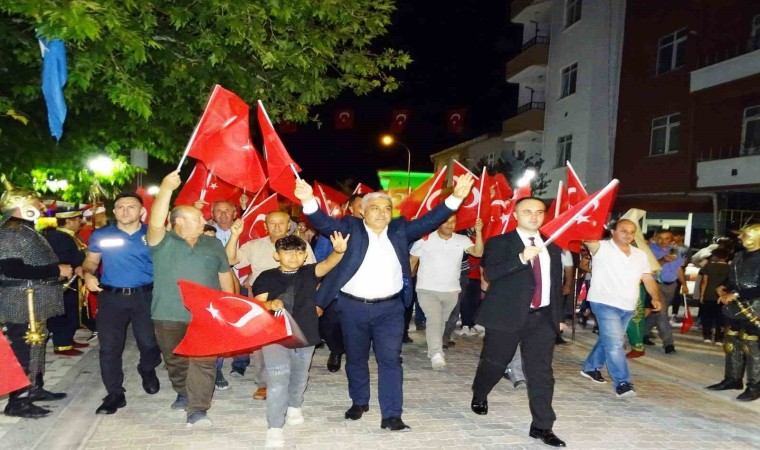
(388,140)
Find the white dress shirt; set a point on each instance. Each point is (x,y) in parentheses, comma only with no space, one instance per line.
(380,272)
(545,264)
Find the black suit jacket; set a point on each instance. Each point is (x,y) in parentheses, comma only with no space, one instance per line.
(507,302)
(402,234)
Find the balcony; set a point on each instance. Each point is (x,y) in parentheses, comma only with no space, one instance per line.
(529,117)
(730,165)
(523,11)
(725,66)
(529,66)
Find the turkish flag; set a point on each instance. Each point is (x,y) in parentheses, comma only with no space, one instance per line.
(280,165)
(329,199)
(225,324)
(222,140)
(499,193)
(12,376)
(576,193)
(362,189)
(468,211)
(584,221)
(455,120)
(583,293)
(206,186)
(399,119)
(253,219)
(147,202)
(425,197)
(344,119)
(688,319)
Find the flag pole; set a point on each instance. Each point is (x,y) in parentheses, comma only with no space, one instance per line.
(482,180)
(253,200)
(197,127)
(557,207)
(580,185)
(293,168)
(205,186)
(612,185)
(424,200)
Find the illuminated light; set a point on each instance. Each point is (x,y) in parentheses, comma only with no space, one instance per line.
(101,165)
(57,185)
(387,140)
(526,178)
(152,190)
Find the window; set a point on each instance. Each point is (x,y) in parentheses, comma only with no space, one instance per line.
(754,40)
(490,159)
(572,11)
(751,131)
(672,52)
(564,150)
(569,78)
(666,135)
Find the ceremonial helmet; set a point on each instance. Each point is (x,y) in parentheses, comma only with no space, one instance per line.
(25,200)
(750,236)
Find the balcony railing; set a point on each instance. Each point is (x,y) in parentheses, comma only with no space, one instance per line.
(726,152)
(531,105)
(536,40)
(724,54)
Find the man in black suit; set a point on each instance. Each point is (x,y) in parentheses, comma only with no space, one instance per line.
(372,286)
(523,305)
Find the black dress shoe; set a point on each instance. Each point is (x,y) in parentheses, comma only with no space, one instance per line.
(406,339)
(648,341)
(560,341)
(726,385)
(25,409)
(547,437)
(394,424)
(355,412)
(479,407)
(37,394)
(749,395)
(333,362)
(150,382)
(111,403)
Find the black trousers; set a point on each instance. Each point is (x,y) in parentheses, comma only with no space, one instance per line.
(330,329)
(64,326)
(711,317)
(536,339)
(115,312)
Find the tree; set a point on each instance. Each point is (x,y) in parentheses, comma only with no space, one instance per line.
(140,72)
(515,168)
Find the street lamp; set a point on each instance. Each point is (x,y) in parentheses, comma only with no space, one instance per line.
(153,190)
(101,165)
(388,140)
(526,178)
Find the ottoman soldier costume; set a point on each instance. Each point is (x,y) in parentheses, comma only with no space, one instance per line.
(30,293)
(741,308)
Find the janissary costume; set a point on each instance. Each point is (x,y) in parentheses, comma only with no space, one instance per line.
(30,293)
(743,324)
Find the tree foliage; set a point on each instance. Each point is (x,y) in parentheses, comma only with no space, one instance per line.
(140,71)
(514,169)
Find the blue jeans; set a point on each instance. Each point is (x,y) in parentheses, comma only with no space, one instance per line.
(287,374)
(609,348)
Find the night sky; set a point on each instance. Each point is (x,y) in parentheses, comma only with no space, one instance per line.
(459,50)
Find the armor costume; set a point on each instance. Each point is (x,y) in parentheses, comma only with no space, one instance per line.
(743,325)
(29,285)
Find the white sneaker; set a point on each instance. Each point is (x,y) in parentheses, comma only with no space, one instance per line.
(480,330)
(294,416)
(465,331)
(275,438)
(438,362)
(707,341)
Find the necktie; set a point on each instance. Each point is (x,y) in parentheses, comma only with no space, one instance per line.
(535,302)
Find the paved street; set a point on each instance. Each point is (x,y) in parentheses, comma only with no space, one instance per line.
(672,410)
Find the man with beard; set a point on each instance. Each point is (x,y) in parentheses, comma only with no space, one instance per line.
(29,273)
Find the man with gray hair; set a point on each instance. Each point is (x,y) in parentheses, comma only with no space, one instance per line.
(372,284)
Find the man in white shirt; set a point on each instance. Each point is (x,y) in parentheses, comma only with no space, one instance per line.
(439,256)
(619,268)
(372,284)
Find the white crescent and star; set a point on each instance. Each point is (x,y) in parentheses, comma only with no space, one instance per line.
(255,311)
(344,116)
(433,196)
(259,218)
(456,117)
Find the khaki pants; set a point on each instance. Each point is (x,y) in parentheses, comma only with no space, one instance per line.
(437,307)
(193,377)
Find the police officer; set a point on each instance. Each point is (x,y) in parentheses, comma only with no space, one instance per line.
(70,250)
(125,294)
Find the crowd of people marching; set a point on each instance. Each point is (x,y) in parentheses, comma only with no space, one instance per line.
(354,284)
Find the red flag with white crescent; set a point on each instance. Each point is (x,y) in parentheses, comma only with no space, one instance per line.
(344,119)
(329,199)
(362,189)
(425,197)
(399,119)
(468,211)
(576,193)
(254,219)
(455,120)
(582,222)
(280,165)
(226,324)
(206,186)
